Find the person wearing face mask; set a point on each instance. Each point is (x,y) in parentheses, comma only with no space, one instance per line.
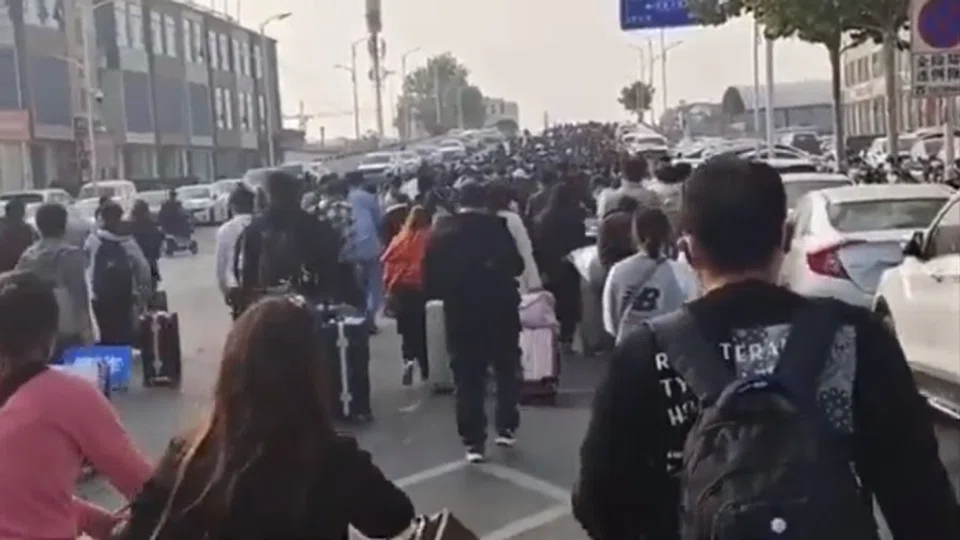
(50,424)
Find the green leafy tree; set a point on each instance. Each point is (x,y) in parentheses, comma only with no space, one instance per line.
(825,23)
(636,98)
(440,85)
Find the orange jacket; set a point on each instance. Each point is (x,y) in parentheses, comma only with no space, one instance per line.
(403,260)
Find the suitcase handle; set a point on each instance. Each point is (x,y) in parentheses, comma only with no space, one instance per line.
(342,343)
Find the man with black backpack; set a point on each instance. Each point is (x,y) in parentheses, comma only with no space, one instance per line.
(120,277)
(286,249)
(754,413)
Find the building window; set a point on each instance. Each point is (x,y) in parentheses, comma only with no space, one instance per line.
(249,99)
(218,106)
(198,42)
(245,58)
(156,32)
(212,50)
(120,19)
(236,56)
(45,13)
(262,112)
(188,53)
(170,47)
(135,17)
(228,108)
(224,53)
(257,62)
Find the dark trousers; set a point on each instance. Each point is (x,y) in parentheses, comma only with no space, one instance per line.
(411,304)
(563,282)
(115,321)
(470,371)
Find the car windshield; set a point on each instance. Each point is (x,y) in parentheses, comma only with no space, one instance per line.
(648,140)
(90,191)
(376,159)
(24,197)
(194,192)
(796,190)
(87,207)
(153,198)
(904,144)
(883,214)
(225,186)
(31,210)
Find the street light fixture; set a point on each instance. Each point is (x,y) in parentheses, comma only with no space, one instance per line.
(271,149)
(352,70)
(404,105)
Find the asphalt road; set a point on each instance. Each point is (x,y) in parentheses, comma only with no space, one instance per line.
(520,493)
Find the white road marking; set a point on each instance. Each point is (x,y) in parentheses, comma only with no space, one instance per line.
(522,525)
(430,474)
(527,481)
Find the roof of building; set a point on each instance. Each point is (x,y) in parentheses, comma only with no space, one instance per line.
(739,99)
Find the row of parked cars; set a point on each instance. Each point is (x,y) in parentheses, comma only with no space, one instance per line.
(206,203)
(454,146)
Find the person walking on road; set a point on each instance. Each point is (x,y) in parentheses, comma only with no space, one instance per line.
(267,461)
(403,281)
(148,235)
(365,247)
(812,407)
(636,172)
(119,275)
(472,264)
(63,265)
(241,203)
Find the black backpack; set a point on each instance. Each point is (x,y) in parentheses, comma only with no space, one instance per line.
(761,460)
(112,278)
(278,263)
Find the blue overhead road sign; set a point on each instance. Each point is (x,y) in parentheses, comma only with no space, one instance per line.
(644,14)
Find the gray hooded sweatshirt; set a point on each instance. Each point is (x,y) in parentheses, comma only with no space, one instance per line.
(142,279)
(639,288)
(63,264)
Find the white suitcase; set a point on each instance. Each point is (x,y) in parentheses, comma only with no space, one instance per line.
(437,352)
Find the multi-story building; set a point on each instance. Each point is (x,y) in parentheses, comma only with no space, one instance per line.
(864,93)
(801,104)
(180,90)
(501,109)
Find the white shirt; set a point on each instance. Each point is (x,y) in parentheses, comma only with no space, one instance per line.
(227,236)
(530,278)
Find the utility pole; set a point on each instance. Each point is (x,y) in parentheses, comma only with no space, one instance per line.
(460,108)
(436,92)
(663,71)
(404,102)
(375,27)
(356,90)
(756,84)
(770,99)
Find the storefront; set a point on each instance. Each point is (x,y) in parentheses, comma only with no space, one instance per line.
(15,169)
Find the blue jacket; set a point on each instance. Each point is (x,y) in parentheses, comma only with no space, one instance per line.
(364,244)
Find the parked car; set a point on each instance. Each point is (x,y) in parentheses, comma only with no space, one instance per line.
(199,200)
(78,225)
(379,163)
(798,184)
(154,199)
(410,161)
(879,151)
(123,192)
(842,239)
(221,192)
(29,196)
(920,302)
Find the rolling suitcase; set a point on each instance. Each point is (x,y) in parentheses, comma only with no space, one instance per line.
(539,349)
(438,355)
(158,301)
(160,354)
(346,346)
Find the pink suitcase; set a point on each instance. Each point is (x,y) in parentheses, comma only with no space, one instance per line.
(539,349)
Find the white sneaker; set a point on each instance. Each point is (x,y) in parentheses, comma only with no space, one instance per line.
(475,455)
(506,439)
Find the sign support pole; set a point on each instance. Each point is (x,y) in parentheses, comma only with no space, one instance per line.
(948,137)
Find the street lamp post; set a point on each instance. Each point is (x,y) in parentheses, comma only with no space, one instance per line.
(352,70)
(662,57)
(265,79)
(89,84)
(404,106)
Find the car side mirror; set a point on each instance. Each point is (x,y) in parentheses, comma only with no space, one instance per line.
(913,247)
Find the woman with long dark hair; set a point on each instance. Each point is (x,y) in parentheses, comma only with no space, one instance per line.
(266,462)
(403,281)
(558,230)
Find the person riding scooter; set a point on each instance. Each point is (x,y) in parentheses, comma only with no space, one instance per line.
(176,225)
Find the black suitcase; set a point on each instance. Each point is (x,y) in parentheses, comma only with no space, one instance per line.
(346,352)
(159,340)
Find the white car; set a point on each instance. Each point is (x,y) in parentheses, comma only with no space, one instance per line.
(379,163)
(879,151)
(920,302)
(199,200)
(798,184)
(221,192)
(78,225)
(842,239)
(29,196)
(410,161)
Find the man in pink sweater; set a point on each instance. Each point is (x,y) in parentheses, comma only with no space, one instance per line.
(50,422)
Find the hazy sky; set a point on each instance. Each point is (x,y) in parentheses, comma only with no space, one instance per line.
(568,58)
